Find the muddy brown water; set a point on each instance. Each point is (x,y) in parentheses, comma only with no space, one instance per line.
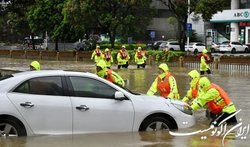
(236,83)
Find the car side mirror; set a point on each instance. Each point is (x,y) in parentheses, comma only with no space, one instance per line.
(119,96)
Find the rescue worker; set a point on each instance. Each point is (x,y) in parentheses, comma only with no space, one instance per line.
(97,54)
(204,60)
(108,74)
(35,65)
(194,90)
(123,58)
(107,57)
(164,83)
(140,58)
(216,100)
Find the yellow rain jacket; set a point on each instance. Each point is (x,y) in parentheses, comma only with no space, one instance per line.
(111,76)
(122,57)
(194,90)
(173,94)
(203,65)
(210,94)
(140,57)
(96,55)
(107,57)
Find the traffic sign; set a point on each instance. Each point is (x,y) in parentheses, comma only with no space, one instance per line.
(189,27)
(152,34)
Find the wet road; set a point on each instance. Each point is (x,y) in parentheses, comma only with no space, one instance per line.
(236,83)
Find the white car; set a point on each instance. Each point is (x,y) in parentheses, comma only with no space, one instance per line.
(172,46)
(65,102)
(195,47)
(215,47)
(233,47)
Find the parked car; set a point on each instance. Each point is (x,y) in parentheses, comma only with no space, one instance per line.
(215,47)
(157,44)
(233,47)
(65,102)
(172,46)
(195,47)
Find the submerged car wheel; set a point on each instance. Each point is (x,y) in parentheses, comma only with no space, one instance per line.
(9,127)
(157,124)
(233,51)
(246,50)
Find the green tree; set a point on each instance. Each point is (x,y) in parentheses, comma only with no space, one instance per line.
(46,15)
(180,10)
(115,17)
(75,17)
(14,19)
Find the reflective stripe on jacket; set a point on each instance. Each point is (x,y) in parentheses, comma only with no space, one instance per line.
(123,54)
(107,56)
(98,52)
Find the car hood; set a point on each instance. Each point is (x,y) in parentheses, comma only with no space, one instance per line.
(159,99)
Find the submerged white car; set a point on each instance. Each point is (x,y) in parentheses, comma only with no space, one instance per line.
(63,102)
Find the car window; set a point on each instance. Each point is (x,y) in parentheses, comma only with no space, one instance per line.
(88,87)
(173,43)
(236,43)
(42,86)
(225,43)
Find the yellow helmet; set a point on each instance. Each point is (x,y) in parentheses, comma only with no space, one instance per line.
(101,64)
(194,74)
(106,50)
(204,83)
(97,46)
(163,66)
(204,51)
(139,48)
(35,65)
(123,46)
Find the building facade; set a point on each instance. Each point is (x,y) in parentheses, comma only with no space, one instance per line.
(234,23)
(161,27)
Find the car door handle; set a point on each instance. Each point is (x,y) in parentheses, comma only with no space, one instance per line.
(27,104)
(82,107)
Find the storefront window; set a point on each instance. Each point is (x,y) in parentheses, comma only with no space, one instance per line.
(244,4)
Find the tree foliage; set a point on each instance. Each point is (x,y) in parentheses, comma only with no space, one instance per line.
(209,7)
(46,15)
(124,17)
(14,18)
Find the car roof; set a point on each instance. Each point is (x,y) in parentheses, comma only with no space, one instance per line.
(22,76)
(51,73)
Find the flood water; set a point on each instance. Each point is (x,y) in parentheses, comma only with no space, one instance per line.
(236,83)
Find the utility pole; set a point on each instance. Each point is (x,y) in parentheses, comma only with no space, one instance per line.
(188,22)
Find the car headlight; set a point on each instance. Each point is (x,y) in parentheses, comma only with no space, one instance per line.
(183,108)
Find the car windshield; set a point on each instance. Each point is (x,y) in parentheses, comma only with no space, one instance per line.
(135,93)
